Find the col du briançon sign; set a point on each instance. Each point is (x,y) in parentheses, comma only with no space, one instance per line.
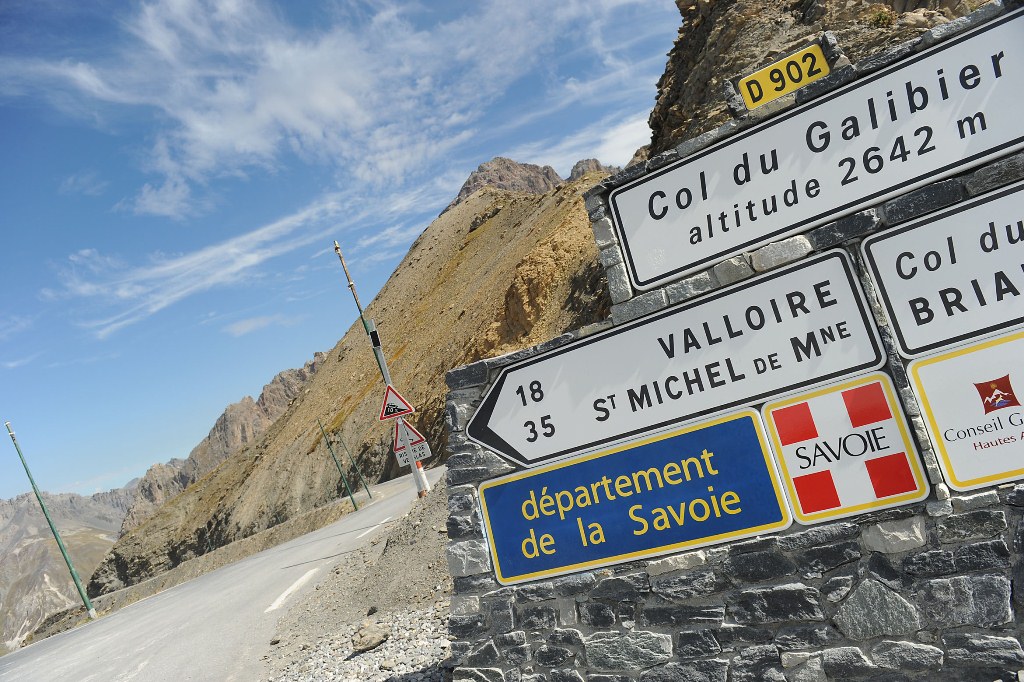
(930,116)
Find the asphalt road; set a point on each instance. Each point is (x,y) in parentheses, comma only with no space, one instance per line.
(216,627)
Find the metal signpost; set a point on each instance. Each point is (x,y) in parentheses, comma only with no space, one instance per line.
(971,401)
(926,117)
(845,449)
(953,276)
(793,328)
(708,483)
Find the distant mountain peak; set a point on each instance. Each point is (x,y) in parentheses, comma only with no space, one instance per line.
(509,175)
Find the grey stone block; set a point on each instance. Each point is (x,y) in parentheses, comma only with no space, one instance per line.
(678,562)
(711,670)
(886,57)
(836,589)
(758,566)
(484,655)
(535,592)
(979,16)
(846,662)
(982,600)
(464,527)
(695,285)
(733,99)
(739,636)
(661,160)
(873,610)
(994,175)
(974,525)
(980,556)
(461,500)
(619,288)
(830,47)
(467,475)
(906,656)
(506,639)
(780,253)
(610,256)
(757,664)
(807,636)
(594,198)
(628,650)
(704,140)
(893,537)
(599,211)
(837,78)
(463,627)
(975,650)
(622,588)
(811,671)
(777,604)
(468,558)
(819,535)
(566,636)
(697,644)
(537,617)
(641,305)
(577,583)
(551,656)
(693,584)
(597,615)
(850,227)
(828,557)
(473,583)
(467,376)
(925,200)
(565,675)
(732,270)
(678,614)
(965,503)
(604,233)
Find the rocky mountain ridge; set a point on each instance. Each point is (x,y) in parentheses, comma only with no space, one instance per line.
(497,271)
(240,424)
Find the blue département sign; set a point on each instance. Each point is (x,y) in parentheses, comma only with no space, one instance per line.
(708,483)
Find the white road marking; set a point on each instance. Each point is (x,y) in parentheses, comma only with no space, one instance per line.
(291,590)
(373,528)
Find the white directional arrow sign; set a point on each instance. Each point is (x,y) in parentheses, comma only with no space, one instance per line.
(790,329)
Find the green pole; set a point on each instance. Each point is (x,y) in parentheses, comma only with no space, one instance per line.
(356,467)
(60,543)
(337,464)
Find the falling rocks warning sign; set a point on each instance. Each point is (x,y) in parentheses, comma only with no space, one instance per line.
(845,449)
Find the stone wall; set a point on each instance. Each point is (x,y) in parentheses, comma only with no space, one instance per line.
(924,591)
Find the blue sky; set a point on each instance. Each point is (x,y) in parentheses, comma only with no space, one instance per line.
(173,175)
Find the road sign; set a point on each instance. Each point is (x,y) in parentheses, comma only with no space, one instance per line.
(410,446)
(394,405)
(783,76)
(931,115)
(704,484)
(410,437)
(954,276)
(789,329)
(971,400)
(845,449)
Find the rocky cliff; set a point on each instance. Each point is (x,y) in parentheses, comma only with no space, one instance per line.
(498,271)
(502,173)
(239,425)
(723,39)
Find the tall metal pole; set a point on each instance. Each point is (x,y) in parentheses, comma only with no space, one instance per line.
(53,529)
(356,468)
(418,475)
(337,464)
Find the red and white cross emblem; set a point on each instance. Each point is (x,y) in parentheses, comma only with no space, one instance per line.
(845,449)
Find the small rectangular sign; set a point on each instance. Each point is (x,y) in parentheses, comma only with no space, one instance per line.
(783,76)
(845,449)
(953,276)
(970,398)
(708,483)
(937,113)
(795,327)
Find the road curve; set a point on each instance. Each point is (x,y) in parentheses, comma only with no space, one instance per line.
(215,627)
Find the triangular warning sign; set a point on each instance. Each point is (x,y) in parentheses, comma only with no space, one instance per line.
(394,405)
(413,437)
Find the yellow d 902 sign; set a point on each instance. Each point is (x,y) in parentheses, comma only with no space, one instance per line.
(784,76)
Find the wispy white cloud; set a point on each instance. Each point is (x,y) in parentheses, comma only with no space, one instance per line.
(19,362)
(13,325)
(380,93)
(251,324)
(88,183)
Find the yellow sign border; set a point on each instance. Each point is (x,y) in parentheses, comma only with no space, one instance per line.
(944,461)
(766,452)
(923,487)
(770,93)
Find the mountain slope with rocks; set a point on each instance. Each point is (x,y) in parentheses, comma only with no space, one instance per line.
(499,271)
(34,580)
(240,424)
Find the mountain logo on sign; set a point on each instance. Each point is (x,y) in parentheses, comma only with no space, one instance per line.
(997,394)
(391,410)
